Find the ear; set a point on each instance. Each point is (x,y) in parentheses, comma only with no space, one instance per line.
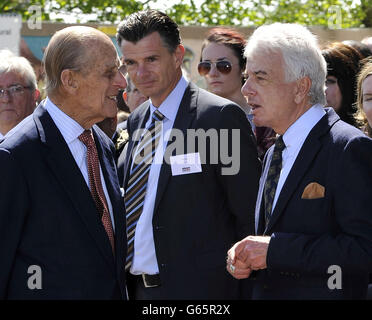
(69,81)
(125,96)
(179,54)
(302,89)
(36,94)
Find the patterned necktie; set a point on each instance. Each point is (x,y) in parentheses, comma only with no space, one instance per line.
(273,177)
(96,186)
(136,189)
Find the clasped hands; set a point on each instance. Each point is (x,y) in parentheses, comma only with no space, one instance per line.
(247,255)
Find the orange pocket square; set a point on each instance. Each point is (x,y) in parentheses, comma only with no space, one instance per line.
(313,191)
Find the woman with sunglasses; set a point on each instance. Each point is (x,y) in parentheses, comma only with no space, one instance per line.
(222,63)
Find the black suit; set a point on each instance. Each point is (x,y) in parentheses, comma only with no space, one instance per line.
(48,218)
(199,216)
(308,235)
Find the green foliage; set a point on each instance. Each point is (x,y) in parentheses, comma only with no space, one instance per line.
(353,13)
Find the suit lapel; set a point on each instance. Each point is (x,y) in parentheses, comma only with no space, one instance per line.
(259,212)
(66,171)
(309,150)
(185,115)
(136,123)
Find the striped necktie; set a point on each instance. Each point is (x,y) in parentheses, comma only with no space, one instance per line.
(136,189)
(273,177)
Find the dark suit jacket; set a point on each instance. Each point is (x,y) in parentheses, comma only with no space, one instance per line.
(48,218)
(310,235)
(198,217)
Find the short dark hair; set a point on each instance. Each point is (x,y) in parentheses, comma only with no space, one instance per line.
(343,63)
(231,39)
(141,24)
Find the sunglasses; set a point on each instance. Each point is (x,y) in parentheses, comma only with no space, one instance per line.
(222,66)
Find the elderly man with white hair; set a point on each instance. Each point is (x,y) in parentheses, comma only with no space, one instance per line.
(18,91)
(313,214)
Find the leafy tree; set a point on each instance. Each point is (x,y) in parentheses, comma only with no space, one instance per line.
(326,13)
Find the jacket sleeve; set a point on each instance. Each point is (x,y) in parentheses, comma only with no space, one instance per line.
(14,201)
(351,210)
(239,167)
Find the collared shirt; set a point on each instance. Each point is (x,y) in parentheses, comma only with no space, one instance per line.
(294,138)
(71,130)
(144,260)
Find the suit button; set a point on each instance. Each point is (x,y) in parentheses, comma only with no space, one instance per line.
(158,228)
(163,265)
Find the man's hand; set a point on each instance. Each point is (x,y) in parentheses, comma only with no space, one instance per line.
(247,255)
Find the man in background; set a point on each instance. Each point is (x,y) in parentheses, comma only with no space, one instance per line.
(18,91)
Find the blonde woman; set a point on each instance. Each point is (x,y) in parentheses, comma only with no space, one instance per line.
(365,97)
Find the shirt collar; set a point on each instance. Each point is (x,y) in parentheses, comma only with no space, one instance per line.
(68,127)
(169,106)
(299,130)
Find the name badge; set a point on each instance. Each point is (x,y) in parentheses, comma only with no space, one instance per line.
(185,164)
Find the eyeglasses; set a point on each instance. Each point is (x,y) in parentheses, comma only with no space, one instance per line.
(14,90)
(222,66)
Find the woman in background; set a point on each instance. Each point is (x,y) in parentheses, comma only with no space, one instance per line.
(365,98)
(342,69)
(222,64)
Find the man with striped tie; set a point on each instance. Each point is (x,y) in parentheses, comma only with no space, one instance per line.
(185,204)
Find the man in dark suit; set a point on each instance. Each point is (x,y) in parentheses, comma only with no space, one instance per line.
(188,204)
(62,226)
(313,213)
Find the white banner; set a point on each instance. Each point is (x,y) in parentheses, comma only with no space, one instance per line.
(10,32)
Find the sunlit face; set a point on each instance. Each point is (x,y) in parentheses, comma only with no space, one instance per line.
(153,69)
(367,98)
(271,98)
(98,88)
(333,93)
(224,85)
(14,108)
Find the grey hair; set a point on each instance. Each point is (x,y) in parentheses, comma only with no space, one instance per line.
(20,65)
(301,53)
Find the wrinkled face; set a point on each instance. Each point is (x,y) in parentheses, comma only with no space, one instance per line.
(271,98)
(224,85)
(17,106)
(152,68)
(98,85)
(367,98)
(333,93)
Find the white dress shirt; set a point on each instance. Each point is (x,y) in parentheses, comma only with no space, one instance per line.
(144,259)
(294,138)
(71,130)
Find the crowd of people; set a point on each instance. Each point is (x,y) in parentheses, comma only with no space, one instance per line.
(128,181)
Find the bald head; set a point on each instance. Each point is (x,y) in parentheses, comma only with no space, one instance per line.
(72,48)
